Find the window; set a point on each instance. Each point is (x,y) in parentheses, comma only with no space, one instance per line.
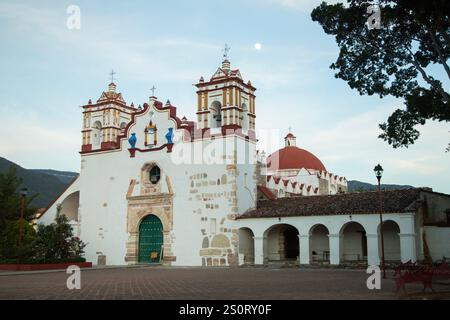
(155,174)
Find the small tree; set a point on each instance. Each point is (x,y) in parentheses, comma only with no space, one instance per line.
(56,240)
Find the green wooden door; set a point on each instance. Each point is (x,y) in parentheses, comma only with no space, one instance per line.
(150,239)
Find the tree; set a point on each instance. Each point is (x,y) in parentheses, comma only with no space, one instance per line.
(10,199)
(10,206)
(396,59)
(56,240)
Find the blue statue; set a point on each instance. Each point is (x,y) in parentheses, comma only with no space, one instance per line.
(132,141)
(169,136)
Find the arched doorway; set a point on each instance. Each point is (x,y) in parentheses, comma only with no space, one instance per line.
(150,239)
(247,245)
(96,135)
(216,115)
(319,243)
(354,242)
(282,243)
(391,239)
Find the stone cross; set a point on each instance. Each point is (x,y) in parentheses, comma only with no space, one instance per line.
(112,76)
(153,90)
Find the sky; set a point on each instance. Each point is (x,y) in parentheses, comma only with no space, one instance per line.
(47,71)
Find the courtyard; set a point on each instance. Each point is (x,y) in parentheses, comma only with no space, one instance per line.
(192,283)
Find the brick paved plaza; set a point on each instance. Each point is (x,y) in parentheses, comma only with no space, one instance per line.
(199,283)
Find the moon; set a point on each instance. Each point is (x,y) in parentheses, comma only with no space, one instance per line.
(258,46)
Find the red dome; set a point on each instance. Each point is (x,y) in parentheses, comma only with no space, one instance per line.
(293,158)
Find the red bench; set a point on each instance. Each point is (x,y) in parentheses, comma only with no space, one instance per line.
(411,272)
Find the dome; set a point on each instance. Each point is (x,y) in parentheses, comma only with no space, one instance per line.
(292,157)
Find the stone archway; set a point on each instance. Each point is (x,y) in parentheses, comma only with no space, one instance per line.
(391,239)
(282,243)
(354,242)
(139,207)
(246,245)
(319,244)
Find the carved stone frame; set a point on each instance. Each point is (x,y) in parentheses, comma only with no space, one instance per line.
(160,205)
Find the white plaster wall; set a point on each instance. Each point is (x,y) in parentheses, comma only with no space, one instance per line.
(50,214)
(105,178)
(438,239)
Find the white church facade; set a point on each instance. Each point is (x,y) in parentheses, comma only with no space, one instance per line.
(154,188)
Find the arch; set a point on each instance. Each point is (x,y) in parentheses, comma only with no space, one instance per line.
(205,243)
(319,243)
(247,245)
(216,114)
(123,125)
(69,206)
(151,239)
(220,241)
(282,242)
(96,134)
(391,237)
(244,119)
(354,242)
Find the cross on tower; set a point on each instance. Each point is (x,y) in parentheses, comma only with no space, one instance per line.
(290,128)
(153,90)
(225,51)
(112,76)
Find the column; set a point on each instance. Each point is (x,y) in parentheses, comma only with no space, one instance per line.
(259,250)
(408,246)
(373,250)
(304,248)
(335,248)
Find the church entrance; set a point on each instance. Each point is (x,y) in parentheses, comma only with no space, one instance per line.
(150,239)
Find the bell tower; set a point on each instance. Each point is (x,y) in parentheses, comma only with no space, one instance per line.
(226,101)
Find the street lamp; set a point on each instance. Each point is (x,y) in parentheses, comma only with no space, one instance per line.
(378,173)
(23,193)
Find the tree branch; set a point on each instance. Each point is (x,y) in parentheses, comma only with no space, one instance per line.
(427,79)
(439,52)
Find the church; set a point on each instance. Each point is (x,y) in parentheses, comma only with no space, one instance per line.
(157,188)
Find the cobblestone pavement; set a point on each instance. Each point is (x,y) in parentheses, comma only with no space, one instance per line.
(199,283)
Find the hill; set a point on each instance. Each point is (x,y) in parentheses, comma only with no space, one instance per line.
(47,183)
(355,185)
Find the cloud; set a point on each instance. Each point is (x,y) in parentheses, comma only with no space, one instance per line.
(32,141)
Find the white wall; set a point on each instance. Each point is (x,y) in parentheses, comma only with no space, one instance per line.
(438,239)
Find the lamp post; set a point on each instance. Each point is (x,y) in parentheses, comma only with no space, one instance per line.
(378,173)
(23,194)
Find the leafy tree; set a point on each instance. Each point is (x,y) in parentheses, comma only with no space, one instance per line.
(10,206)
(10,199)
(396,59)
(56,240)
(9,240)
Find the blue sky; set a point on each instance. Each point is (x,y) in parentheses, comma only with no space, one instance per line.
(48,71)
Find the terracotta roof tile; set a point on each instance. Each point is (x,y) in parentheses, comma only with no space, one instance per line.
(406,200)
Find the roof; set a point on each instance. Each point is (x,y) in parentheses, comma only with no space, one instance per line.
(289,135)
(292,157)
(393,201)
(266,192)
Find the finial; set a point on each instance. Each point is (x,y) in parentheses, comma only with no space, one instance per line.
(112,76)
(168,102)
(153,90)
(132,104)
(225,51)
(90,101)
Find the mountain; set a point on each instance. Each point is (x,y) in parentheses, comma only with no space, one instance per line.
(47,183)
(355,185)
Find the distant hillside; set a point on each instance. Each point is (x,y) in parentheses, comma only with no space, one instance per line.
(355,185)
(47,183)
